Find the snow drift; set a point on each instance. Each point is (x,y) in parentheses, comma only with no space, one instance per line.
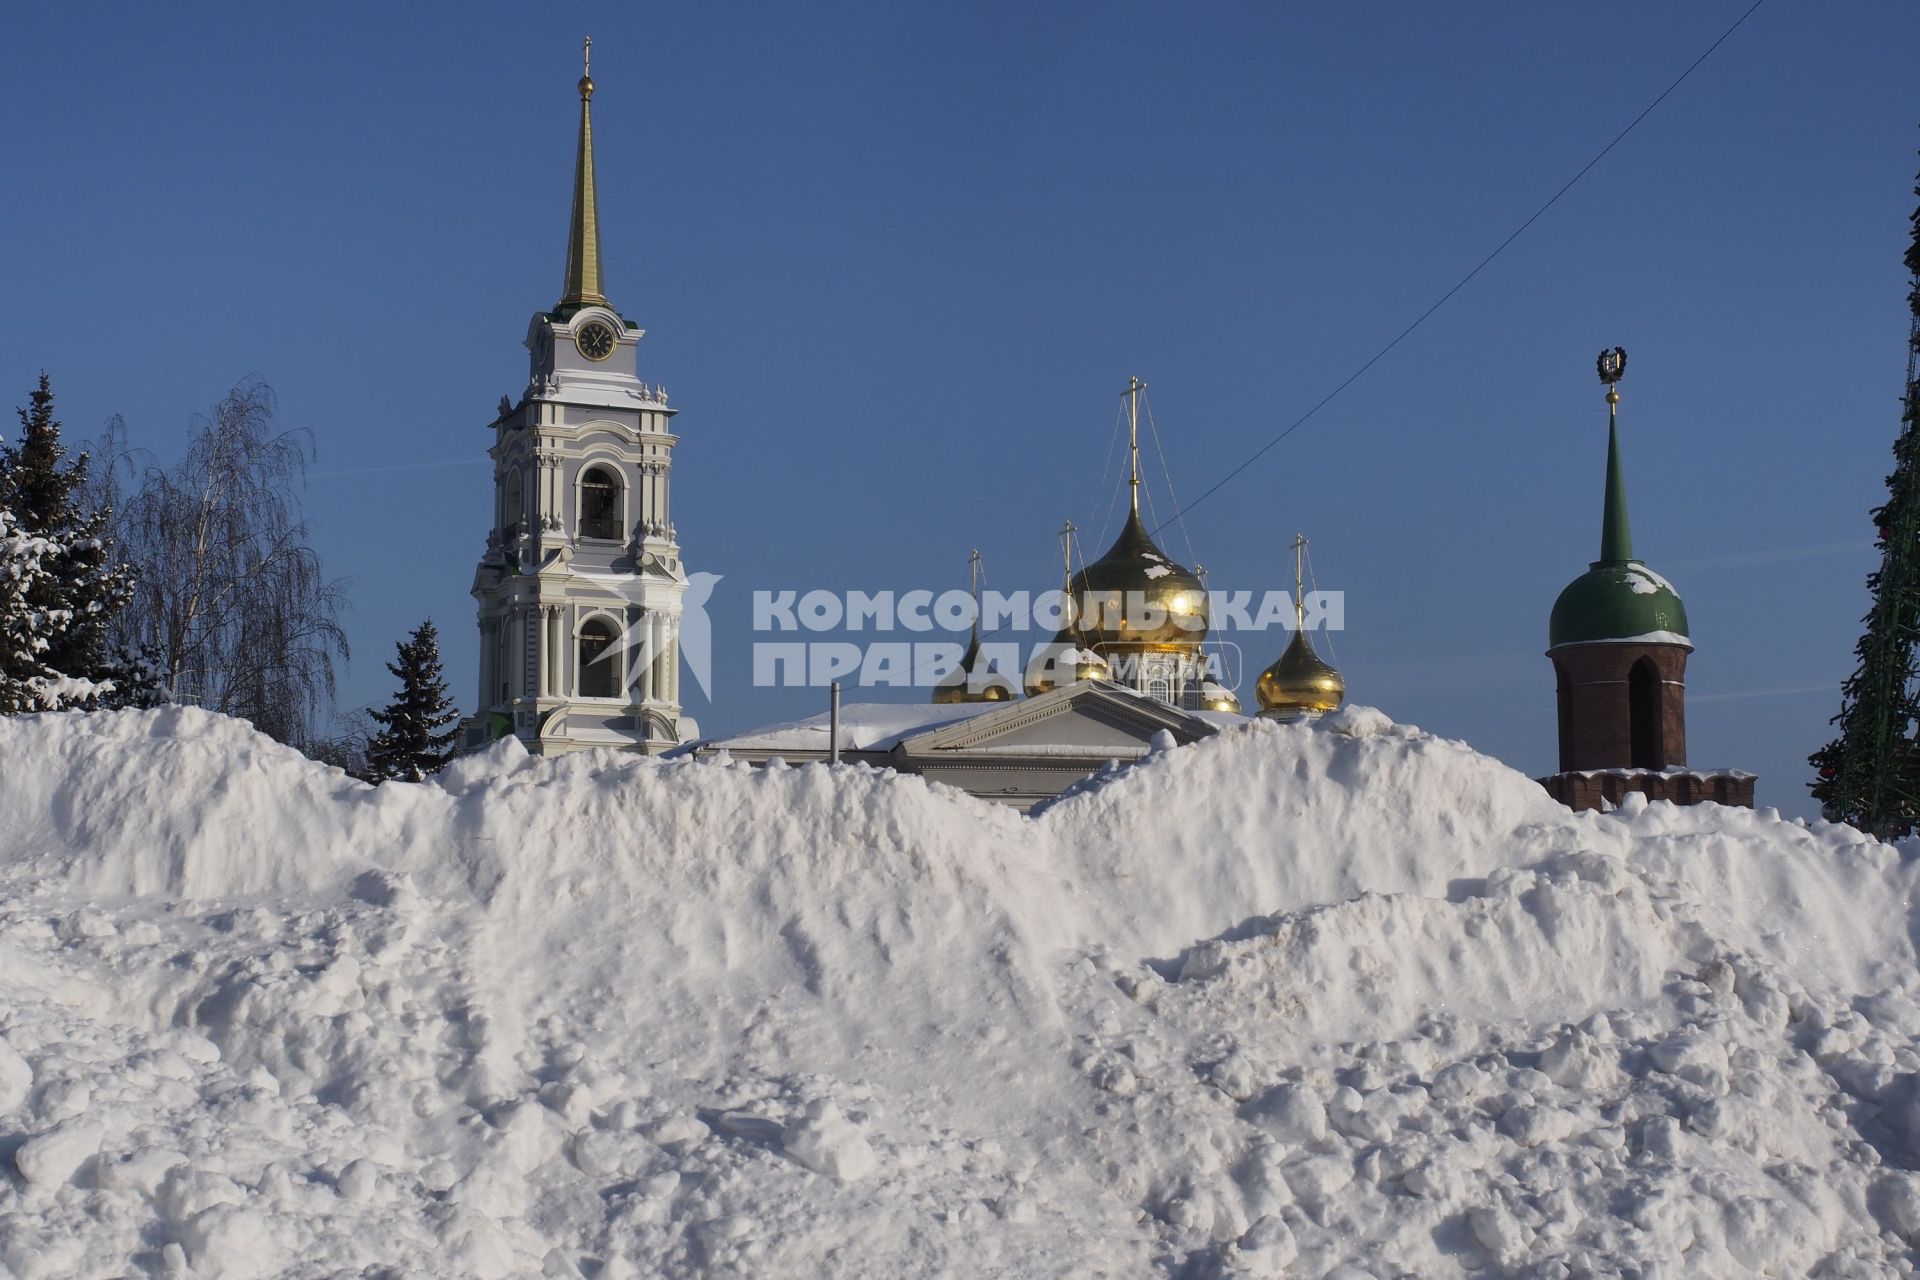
(1343,1000)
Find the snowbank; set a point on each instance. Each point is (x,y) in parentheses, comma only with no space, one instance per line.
(1292,1000)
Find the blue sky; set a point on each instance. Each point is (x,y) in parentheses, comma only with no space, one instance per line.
(896,263)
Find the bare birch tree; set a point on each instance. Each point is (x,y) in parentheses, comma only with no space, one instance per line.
(232,600)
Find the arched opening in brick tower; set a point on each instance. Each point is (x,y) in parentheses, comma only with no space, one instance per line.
(1563,696)
(1643,715)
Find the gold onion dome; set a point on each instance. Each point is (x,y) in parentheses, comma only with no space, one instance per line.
(1299,683)
(1065,661)
(971,682)
(1135,598)
(1217,697)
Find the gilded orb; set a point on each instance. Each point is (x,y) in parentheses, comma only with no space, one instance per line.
(970,682)
(1064,661)
(1217,697)
(1299,683)
(1135,598)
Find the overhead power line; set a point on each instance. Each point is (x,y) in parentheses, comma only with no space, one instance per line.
(1467,279)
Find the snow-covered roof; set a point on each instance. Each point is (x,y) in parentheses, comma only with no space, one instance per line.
(864,726)
(1645,637)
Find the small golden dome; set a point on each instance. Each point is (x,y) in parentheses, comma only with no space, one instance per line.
(1135,598)
(1299,683)
(1217,697)
(586,86)
(969,682)
(1065,657)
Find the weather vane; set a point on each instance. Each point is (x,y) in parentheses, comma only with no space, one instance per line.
(1612,366)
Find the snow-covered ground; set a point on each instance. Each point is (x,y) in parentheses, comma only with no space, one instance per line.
(1338,1001)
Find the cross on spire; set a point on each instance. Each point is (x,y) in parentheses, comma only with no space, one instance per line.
(974,586)
(1299,581)
(1132,396)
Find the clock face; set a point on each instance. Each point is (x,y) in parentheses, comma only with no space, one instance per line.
(595,341)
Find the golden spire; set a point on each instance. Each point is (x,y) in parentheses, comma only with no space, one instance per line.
(1299,683)
(583,236)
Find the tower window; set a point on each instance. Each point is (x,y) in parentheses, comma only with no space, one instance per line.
(600,515)
(1563,700)
(512,512)
(599,675)
(1647,740)
(501,658)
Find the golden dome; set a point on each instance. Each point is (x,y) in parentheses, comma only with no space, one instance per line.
(1065,655)
(1217,697)
(1299,683)
(1135,598)
(970,683)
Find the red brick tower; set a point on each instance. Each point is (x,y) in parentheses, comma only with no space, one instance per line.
(1619,642)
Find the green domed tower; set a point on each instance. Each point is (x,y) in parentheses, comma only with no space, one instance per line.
(1618,640)
(1618,599)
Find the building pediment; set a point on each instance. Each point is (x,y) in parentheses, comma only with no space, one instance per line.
(1091,719)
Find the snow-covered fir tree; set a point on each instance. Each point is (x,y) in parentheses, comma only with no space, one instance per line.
(1869,776)
(79,579)
(29,629)
(417,727)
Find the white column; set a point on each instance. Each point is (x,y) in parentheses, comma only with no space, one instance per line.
(642,680)
(636,680)
(656,636)
(673,662)
(550,658)
(540,652)
(516,641)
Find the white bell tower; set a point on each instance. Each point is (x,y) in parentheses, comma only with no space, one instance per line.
(580,588)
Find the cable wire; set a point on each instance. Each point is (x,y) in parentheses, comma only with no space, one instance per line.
(1478,268)
(1464,281)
